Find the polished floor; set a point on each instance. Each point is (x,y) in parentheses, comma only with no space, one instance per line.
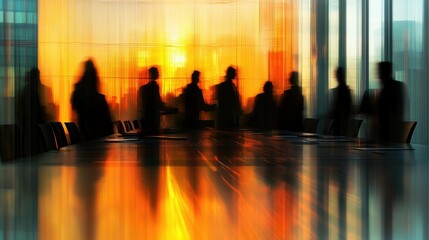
(218,185)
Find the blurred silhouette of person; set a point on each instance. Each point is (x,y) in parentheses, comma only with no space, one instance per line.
(341,105)
(291,106)
(390,105)
(31,113)
(229,107)
(264,115)
(114,108)
(91,106)
(46,100)
(194,102)
(150,103)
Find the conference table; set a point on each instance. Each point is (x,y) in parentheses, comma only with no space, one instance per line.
(212,184)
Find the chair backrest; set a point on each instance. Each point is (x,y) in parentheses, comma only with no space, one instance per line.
(73,132)
(328,126)
(60,134)
(310,125)
(48,138)
(120,127)
(354,127)
(136,124)
(408,128)
(9,147)
(128,126)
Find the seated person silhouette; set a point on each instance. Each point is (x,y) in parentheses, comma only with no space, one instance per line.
(390,105)
(264,114)
(341,105)
(291,106)
(229,107)
(150,103)
(194,102)
(91,106)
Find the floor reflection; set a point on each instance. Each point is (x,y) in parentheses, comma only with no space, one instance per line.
(229,186)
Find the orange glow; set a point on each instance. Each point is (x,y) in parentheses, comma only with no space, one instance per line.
(125,37)
(111,199)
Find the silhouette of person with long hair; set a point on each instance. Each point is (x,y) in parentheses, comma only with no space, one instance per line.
(194,102)
(264,115)
(390,105)
(229,107)
(291,106)
(341,105)
(31,113)
(91,106)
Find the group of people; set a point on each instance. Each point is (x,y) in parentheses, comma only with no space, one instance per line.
(386,107)
(268,113)
(150,104)
(94,119)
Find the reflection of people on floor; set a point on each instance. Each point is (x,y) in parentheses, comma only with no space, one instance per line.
(228,101)
(87,177)
(291,106)
(90,105)
(149,159)
(194,102)
(264,115)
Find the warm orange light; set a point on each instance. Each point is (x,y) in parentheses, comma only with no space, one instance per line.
(125,37)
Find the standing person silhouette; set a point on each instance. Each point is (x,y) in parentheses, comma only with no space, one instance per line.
(91,106)
(341,105)
(390,105)
(150,103)
(194,102)
(228,102)
(291,106)
(264,115)
(30,113)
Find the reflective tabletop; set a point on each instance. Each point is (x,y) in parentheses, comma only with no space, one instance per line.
(217,185)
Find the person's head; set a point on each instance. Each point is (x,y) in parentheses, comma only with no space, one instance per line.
(34,76)
(293,78)
(90,76)
(153,73)
(231,73)
(196,77)
(340,75)
(384,71)
(268,87)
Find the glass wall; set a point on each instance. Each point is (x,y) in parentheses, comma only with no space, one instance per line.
(407,54)
(125,38)
(18,51)
(354,47)
(376,39)
(265,39)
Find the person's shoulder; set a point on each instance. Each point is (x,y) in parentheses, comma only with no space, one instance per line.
(260,95)
(101,96)
(399,83)
(293,90)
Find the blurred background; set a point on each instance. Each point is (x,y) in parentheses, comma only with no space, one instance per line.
(265,40)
